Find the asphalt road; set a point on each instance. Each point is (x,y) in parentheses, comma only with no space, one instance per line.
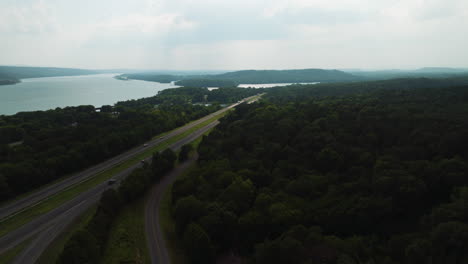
(48,226)
(154,235)
(17,206)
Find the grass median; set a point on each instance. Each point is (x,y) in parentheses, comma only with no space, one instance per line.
(173,243)
(125,243)
(8,256)
(56,200)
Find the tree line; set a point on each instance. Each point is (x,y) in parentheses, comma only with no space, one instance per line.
(355,173)
(250,77)
(87,245)
(39,147)
(190,95)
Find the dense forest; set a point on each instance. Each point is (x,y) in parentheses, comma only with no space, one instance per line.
(206,83)
(428,72)
(7,79)
(349,173)
(16,72)
(87,245)
(186,95)
(39,147)
(250,77)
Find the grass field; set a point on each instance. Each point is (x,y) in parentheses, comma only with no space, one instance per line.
(128,231)
(54,201)
(127,238)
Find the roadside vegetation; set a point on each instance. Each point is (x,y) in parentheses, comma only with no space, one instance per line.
(353,173)
(126,242)
(37,148)
(52,202)
(189,95)
(88,244)
(59,142)
(51,254)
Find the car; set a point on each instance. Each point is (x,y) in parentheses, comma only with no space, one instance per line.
(143,161)
(111,181)
(161,137)
(145,145)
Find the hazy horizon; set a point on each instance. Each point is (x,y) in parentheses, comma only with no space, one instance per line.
(206,35)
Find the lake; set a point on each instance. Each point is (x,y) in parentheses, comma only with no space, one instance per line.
(51,92)
(270,85)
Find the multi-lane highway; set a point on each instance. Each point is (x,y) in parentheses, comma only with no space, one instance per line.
(48,226)
(16,206)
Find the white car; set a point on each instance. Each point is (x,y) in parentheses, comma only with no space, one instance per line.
(111,181)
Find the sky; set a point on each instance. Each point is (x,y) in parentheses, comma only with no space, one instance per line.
(234,34)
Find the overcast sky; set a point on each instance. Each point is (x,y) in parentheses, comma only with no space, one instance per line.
(234,34)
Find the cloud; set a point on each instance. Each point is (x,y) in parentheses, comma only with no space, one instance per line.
(156,24)
(37,17)
(234,34)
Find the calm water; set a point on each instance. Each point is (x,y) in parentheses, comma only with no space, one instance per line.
(270,85)
(51,92)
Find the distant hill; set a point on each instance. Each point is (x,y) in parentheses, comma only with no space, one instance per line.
(7,79)
(15,73)
(441,69)
(287,76)
(427,72)
(253,77)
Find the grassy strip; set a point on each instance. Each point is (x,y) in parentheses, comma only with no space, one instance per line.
(3,203)
(197,141)
(59,198)
(255,97)
(51,254)
(10,255)
(126,242)
(176,253)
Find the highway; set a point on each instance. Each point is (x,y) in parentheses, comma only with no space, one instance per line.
(17,206)
(48,226)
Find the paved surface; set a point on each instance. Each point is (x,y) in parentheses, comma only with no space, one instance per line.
(17,206)
(154,235)
(49,225)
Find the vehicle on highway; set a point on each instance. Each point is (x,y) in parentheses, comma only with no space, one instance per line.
(161,137)
(111,181)
(145,145)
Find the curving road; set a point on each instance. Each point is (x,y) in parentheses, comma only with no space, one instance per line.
(48,226)
(154,235)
